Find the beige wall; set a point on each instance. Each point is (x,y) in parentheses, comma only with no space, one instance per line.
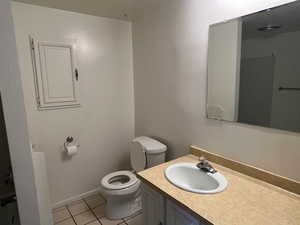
(170,52)
(15,119)
(104,124)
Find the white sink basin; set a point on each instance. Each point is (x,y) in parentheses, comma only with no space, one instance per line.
(189,177)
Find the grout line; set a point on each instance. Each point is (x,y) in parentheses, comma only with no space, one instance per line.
(81,212)
(97,205)
(92,211)
(105,201)
(133,215)
(58,209)
(71,214)
(62,220)
(73,204)
(124,221)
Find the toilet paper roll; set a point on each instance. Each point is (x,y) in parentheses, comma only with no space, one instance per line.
(71,150)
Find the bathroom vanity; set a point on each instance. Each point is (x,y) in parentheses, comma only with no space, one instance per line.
(245,201)
(160,210)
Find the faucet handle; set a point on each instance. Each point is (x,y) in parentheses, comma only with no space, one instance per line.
(205,165)
(202,158)
(203,161)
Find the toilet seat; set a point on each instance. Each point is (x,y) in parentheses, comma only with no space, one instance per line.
(119,180)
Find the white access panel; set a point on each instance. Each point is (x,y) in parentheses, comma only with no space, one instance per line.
(56,74)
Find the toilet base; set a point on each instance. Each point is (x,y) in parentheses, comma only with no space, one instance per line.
(121,207)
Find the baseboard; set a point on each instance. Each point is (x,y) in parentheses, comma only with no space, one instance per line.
(74,198)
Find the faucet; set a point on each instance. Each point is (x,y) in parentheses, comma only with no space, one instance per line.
(205,166)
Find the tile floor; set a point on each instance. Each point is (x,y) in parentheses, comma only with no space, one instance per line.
(90,211)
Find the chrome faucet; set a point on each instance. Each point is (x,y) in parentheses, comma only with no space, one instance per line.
(205,166)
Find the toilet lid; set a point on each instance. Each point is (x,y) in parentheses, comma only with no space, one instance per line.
(138,157)
(119,180)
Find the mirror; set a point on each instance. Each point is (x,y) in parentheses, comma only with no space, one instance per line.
(254,69)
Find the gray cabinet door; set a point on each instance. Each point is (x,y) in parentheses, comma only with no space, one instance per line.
(177,216)
(153,207)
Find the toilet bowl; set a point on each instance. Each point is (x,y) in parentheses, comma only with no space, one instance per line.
(122,191)
(122,188)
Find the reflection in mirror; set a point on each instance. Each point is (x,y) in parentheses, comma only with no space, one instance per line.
(254,69)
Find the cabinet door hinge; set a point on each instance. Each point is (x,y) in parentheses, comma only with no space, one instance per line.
(38,101)
(76,74)
(32,44)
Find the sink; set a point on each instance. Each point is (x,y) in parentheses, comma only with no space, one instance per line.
(189,177)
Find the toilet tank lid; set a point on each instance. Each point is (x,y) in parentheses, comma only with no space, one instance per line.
(151,145)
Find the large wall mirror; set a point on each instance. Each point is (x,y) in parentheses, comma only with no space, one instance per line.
(254,69)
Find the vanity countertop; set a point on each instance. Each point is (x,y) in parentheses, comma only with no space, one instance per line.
(246,200)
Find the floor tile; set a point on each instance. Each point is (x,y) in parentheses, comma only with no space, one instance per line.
(98,194)
(94,223)
(106,221)
(102,196)
(75,202)
(78,207)
(85,218)
(66,222)
(99,211)
(94,201)
(138,220)
(60,214)
(58,209)
(133,215)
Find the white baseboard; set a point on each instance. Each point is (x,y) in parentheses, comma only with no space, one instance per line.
(74,198)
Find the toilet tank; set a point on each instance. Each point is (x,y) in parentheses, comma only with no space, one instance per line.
(146,152)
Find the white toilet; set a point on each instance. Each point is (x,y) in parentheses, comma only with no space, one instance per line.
(122,188)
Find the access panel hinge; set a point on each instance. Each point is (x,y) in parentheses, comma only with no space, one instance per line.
(76,74)
(38,101)
(32,44)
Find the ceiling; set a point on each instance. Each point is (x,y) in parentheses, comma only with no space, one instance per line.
(118,9)
(286,16)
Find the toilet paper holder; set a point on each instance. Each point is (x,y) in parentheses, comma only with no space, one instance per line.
(68,141)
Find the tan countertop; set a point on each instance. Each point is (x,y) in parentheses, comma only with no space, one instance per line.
(246,201)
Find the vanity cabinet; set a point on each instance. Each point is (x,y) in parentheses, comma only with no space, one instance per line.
(177,216)
(153,206)
(159,210)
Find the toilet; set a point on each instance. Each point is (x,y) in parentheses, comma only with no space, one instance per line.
(122,188)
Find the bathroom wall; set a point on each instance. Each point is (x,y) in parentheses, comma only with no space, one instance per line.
(170,57)
(104,124)
(15,120)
